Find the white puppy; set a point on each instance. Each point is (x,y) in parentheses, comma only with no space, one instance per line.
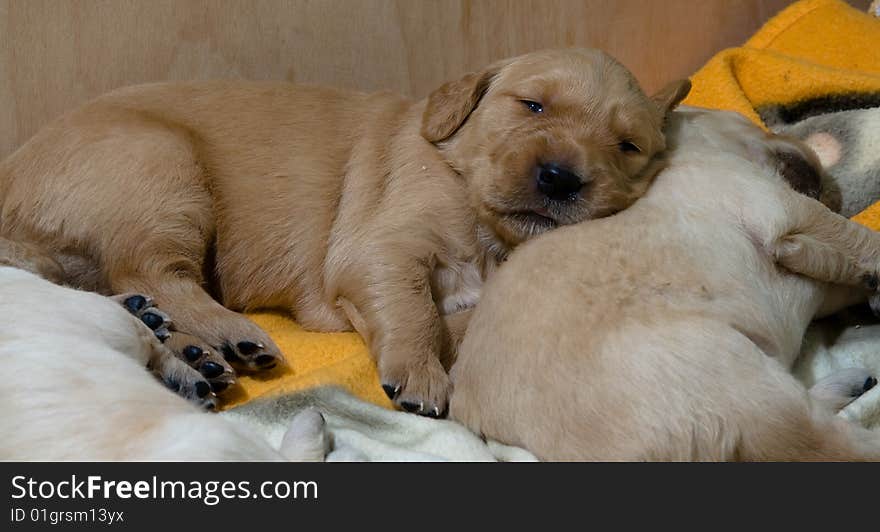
(77,388)
(668,331)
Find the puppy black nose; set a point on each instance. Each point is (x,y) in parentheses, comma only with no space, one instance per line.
(558,183)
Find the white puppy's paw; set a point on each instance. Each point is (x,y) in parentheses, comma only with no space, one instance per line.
(306,440)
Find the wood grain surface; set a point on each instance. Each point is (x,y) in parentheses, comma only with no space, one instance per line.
(55,54)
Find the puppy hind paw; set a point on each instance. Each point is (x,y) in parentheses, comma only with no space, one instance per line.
(253,355)
(185,381)
(143,308)
(203,358)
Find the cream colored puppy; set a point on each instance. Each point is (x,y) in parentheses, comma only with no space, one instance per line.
(76,387)
(666,332)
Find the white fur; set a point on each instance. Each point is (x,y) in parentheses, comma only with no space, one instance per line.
(76,387)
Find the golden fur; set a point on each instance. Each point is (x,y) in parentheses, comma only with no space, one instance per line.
(345,209)
(667,331)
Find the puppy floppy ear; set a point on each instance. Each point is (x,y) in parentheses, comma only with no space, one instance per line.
(802,169)
(671,95)
(450,105)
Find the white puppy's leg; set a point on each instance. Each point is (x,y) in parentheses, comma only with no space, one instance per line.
(842,387)
(825,246)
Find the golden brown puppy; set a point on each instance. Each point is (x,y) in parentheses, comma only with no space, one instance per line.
(346,209)
(667,331)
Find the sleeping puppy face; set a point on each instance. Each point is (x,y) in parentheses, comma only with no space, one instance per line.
(549,138)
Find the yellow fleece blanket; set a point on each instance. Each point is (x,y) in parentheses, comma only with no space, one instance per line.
(815,52)
(812,49)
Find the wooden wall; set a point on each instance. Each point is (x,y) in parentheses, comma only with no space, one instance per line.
(55,54)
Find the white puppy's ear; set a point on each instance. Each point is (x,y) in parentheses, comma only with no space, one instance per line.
(802,169)
(800,172)
(449,106)
(668,98)
(826,146)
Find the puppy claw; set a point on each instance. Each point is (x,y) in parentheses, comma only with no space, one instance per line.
(162,333)
(423,389)
(249,348)
(391,391)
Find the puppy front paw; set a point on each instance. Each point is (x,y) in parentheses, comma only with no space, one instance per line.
(418,386)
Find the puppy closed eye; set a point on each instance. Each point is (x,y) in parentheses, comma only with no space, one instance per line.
(533,106)
(629,147)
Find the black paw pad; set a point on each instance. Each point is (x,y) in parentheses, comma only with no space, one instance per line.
(153,320)
(211,369)
(870,382)
(410,407)
(192,352)
(264,361)
(249,348)
(229,353)
(134,304)
(390,391)
(202,389)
